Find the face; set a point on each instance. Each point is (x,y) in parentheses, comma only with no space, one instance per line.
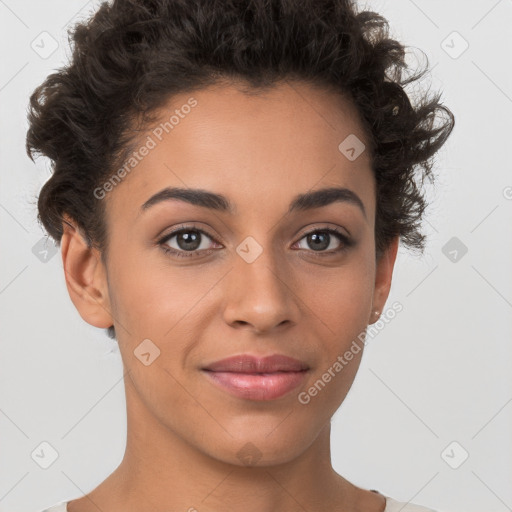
(187,284)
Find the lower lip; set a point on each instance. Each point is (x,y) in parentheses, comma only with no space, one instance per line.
(253,386)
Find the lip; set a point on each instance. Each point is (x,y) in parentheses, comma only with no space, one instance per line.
(252,378)
(247,363)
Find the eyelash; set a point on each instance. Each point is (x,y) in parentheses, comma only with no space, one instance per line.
(346,242)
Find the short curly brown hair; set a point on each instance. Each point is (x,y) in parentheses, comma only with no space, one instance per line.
(133,55)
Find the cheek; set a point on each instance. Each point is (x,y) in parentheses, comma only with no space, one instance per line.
(341,307)
(155,300)
(341,304)
(341,299)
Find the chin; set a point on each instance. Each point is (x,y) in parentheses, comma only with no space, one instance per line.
(260,443)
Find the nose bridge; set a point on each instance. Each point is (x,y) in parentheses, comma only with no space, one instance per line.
(259,293)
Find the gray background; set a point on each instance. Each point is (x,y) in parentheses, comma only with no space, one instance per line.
(438,373)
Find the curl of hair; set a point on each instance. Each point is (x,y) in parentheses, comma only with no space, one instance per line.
(132,56)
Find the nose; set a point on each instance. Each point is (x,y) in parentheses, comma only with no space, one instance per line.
(261,295)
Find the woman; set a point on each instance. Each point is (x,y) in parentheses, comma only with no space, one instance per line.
(231,182)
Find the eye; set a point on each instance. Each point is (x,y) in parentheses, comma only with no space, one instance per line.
(188,242)
(321,239)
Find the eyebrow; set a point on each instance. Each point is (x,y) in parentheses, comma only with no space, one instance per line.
(219,202)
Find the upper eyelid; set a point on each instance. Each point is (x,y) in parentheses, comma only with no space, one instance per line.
(166,238)
(179,230)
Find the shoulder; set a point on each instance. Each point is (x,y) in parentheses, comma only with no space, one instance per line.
(399,506)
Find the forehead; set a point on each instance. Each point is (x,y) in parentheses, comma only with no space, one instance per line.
(259,149)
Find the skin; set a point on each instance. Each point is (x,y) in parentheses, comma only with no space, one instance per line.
(184,433)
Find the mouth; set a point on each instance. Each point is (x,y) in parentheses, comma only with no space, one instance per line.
(253,378)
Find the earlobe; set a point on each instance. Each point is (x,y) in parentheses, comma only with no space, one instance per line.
(85,277)
(383,277)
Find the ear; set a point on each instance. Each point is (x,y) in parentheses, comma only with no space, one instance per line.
(85,275)
(383,275)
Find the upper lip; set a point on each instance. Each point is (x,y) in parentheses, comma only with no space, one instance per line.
(246,363)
